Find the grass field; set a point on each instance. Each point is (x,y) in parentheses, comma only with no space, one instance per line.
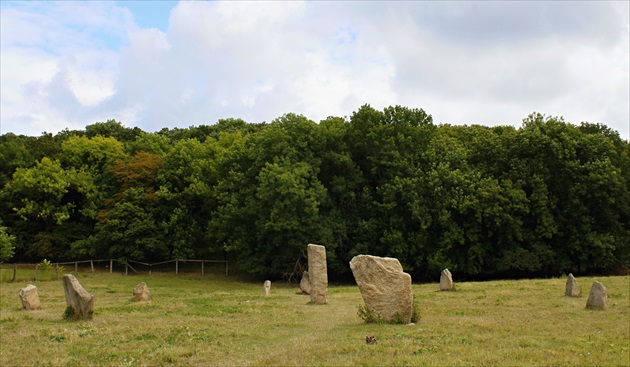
(214,320)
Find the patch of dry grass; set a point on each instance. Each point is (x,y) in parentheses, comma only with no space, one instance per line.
(217,321)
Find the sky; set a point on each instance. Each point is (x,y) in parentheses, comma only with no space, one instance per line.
(157,64)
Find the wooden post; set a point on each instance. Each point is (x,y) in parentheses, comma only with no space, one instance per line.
(176,266)
(14,272)
(92,265)
(111,265)
(201,267)
(76,268)
(57,271)
(37,272)
(126,269)
(226,262)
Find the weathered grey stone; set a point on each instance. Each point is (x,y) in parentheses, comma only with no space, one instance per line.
(318,273)
(385,288)
(305,283)
(267,287)
(446,280)
(571,289)
(597,297)
(80,302)
(141,293)
(29,297)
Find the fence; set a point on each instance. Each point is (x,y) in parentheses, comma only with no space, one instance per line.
(138,268)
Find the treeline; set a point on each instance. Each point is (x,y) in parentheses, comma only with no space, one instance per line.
(546,198)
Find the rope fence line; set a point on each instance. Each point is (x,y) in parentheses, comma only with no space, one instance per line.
(126,263)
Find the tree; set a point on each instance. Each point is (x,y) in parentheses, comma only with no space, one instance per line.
(127,230)
(113,129)
(150,143)
(7,244)
(14,153)
(186,181)
(127,226)
(288,197)
(269,197)
(546,198)
(50,207)
(573,179)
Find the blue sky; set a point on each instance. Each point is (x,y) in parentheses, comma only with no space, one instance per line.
(150,14)
(156,64)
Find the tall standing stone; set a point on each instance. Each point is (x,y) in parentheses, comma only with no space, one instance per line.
(80,302)
(29,297)
(305,283)
(267,287)
(318,273)
(141,293)
(597,297)
(385,288)
(571,289)
(446,280)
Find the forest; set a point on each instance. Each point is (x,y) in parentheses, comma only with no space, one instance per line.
(543,199)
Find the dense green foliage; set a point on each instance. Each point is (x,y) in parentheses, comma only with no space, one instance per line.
(545,198)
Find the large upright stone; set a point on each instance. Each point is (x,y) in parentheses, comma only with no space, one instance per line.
(80,302)
(141,293)
(29,297)
(571,289)
(305,283)
(385,288)
(318,273)
(597,297)
(446,280)
(267,288)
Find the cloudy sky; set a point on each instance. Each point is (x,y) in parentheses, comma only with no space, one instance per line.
(177,64)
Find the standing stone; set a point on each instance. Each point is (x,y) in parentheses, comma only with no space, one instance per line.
(385,288)
(266,287)
(141,293)
(305,283)
(318,273)
(446,280)
(597,297)
(571,289)
(29,297)
(80,302)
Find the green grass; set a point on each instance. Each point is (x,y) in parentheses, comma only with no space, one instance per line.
(28,275)
(214,320)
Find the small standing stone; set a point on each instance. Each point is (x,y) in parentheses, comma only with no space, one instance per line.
(80,302)
(29,297)
(446,280)
(572,289)
(267,288)
(597,297)
(318,273)
(305,283)
(141,293)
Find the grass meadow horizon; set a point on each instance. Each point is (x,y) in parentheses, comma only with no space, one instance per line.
(214,320)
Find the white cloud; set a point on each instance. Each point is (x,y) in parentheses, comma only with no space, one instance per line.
(71,64)
(57,64)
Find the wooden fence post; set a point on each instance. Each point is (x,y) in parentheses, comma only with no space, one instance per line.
(111,265)
(76,268)
(37,272)
(201,267)
(126,269)
(92,265)
(57,271)
(226,268)
(14,272)
(176,266)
